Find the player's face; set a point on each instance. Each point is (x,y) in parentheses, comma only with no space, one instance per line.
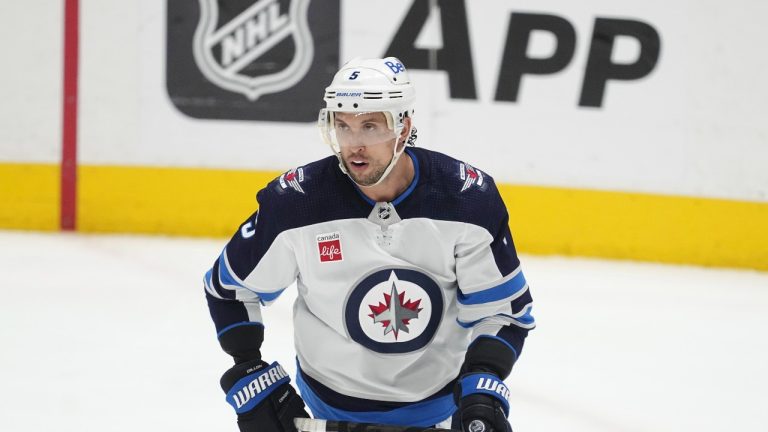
(366,143)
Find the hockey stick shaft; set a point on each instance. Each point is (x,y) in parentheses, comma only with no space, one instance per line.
(317,425)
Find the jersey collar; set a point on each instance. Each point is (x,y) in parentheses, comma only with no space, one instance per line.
(405,193)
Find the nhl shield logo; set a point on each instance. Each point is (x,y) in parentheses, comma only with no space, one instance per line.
(236,53)
(264,60)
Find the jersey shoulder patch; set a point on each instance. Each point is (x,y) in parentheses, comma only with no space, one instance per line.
(456,191)
(471,177)
(308,194)
(302,180)
(458,176)
(292,179)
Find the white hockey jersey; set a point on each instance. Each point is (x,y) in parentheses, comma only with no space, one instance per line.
(390,294)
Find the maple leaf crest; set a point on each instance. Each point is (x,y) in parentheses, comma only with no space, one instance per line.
(395,316)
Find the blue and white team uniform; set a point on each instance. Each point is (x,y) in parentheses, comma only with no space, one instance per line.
(390,295)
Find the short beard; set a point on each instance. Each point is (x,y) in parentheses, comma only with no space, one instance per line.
(368,180)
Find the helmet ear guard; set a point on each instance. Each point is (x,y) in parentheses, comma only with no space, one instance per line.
(324,120)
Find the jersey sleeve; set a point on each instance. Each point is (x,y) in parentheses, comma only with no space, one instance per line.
(255,267)
(494,297)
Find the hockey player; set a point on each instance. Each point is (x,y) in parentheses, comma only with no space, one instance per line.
(411,308)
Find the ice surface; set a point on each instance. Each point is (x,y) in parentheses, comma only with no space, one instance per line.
(112,333)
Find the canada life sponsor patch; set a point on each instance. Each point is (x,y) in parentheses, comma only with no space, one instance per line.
(329,247)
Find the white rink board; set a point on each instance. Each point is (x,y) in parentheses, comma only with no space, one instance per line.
(31,80)
(694,126)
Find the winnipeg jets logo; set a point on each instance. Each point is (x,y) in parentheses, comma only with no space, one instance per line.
(292,179)
(228,53)
(395,313)
(394,310)
(470,175)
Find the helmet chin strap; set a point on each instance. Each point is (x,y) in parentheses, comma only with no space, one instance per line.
(395,156)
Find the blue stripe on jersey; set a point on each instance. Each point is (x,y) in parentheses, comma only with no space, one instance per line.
(212,283)
(499,292)
(427,413)
(270,296)
(470,324)
(226,312)
(414,182)
(231,326)
(208,280)
(359,192)
(467,325)
(225,277)
(526,319)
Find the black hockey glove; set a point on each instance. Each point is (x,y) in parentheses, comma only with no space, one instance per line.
(483,402)
(263,397)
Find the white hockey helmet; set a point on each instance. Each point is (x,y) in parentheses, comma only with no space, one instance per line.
(369,85)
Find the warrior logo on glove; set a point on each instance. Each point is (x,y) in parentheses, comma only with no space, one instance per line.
(252,389)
